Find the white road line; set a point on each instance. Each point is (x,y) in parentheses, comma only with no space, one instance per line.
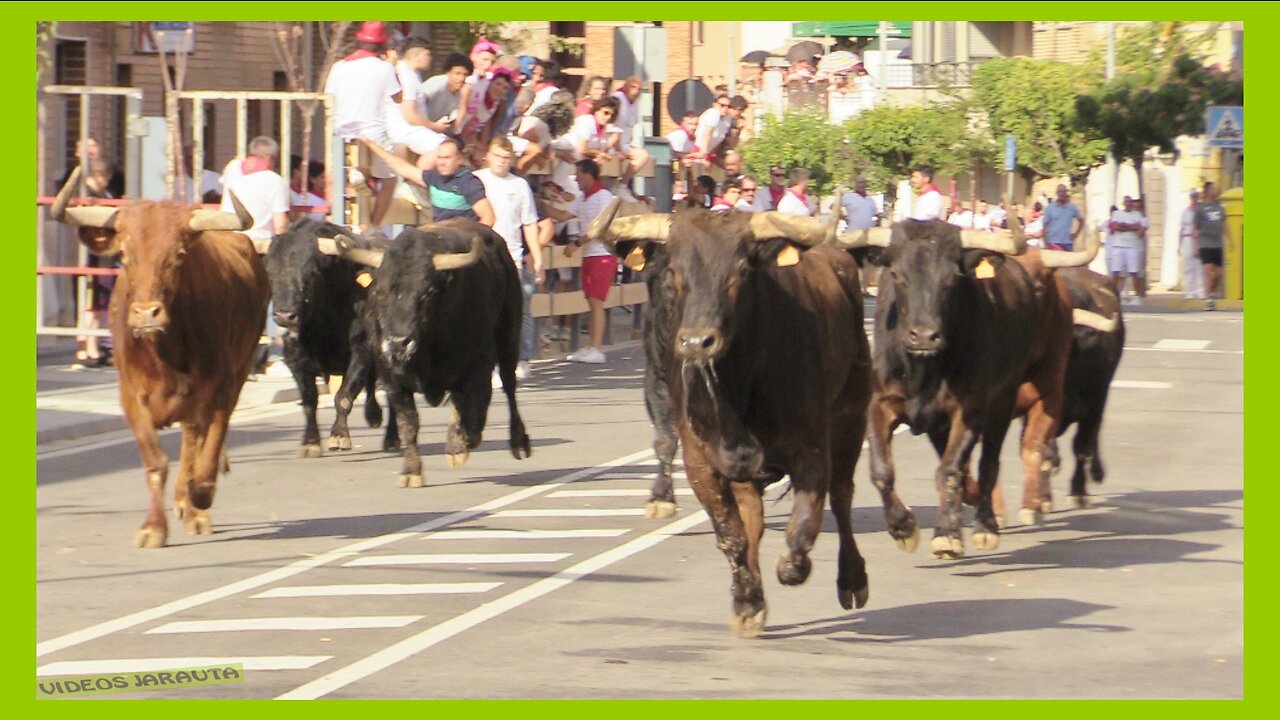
(355,622)
(377,589)
(678,475)
(1179,344)
(457,559)
(1141,384)
(125,665)
(300,566)
(525,534)
(413,645)
(80,405)
(569,512)
(77,390)
(610,492)
(1184,350)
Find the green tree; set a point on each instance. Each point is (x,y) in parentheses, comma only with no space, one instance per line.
(800,138)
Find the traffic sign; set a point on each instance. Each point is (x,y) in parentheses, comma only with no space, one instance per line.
(1224,126)
(1010,153)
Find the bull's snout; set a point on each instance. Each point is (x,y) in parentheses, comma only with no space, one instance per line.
(285,319)
(923,339)
(699,344)
(398,347)
(148,317)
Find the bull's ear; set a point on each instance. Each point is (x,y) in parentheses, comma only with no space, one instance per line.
(99,241)
(981,264)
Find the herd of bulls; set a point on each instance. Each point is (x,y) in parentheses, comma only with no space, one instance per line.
(757,362)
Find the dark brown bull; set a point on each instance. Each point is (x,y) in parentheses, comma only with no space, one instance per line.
(186,314)
(966,323)
(761,364)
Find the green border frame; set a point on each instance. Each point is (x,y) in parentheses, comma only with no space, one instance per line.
(21,16)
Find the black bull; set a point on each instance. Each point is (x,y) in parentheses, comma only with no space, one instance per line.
(752,359)
(445,306)
(318,303)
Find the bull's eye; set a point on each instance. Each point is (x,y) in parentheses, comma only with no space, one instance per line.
(896,275)
(182,253)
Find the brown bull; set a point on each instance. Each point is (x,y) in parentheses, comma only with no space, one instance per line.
(186,314)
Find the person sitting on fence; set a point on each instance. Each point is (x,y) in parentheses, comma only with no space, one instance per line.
(483,54)
(408,123)
(531,136)
(439,100)
(628,97)
(961,217)
(545,79)
(595,137)
(983,218)
(716,130)
(681,139)
(454,189)
(93,352)
(488,106)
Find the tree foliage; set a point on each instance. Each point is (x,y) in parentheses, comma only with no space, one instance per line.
(886,142)
(800,138)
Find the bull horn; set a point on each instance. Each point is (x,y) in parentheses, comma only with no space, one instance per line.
(1071,258)
(1094,320)
(327,246)
(995,242)
(798,229)
(877,236)
(456,261)
(600,226)
(348,251)
(609,228)
(240,221)
(91,216)
(1015,229)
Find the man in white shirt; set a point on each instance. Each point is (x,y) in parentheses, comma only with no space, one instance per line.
(628,116)
(714,125)
(598,263)
(406,123)
(516,220)
(1126,248)
(260,190)
(928,201)
(361,84)
(749,188)
(1192,270)
(961,217)
(681,139)
(772,194)
(797,201)
(982,219)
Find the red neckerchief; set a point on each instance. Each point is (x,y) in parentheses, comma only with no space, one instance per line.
(928,188)
(253,164)
(799,196)
(594,189)
(716,202)
(359,55)
(776,195)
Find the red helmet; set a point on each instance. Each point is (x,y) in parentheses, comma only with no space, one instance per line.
(372,31)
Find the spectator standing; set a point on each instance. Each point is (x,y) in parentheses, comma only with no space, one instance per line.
(1058,219)
(730,194)
(262,192)
(598,263)
(733,165)
(516,220)
(747,202)
(1211,233)
(773,194)
(796,201)
(1033,225)
(701,192)
(1192,272)
(928,201)
(362,83)
(1126,248)
(454,189)
(93,352)
(860,213)
(302,189)
(628,97)
(961,217)
(999,214)
(204,185)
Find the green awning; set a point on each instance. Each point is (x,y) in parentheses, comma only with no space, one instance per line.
(860,28)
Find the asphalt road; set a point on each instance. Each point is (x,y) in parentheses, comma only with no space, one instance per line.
(541,579)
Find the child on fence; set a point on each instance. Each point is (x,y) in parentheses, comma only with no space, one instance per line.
(93,352)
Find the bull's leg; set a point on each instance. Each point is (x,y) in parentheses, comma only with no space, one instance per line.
(749,605)
(195,521)
(352,383)
(949,478)
(405,416)
(972,491)
(1088,460)
(372,410)
(391,436)
(882,418)
(851,580)
(810,479)
(310,447)
(519,437)
(470,406)
(711,489)
(1040,428)
(986,531)
(657,399)
(209,459)
(154,532)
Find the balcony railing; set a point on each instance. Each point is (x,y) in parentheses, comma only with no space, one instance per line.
(943,73)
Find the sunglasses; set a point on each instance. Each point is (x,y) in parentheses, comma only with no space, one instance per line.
(722,105)
(781,174)
(747,190)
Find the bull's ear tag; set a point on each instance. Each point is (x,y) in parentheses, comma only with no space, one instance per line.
(635,259)
(788,256)
(364,279)
(984,270)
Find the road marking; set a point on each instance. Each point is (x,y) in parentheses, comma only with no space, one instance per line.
(1206,352)
(262,412)
(678,475)
(413,645)
(300,566)
(458,559)
(77,390)
(525,534)
(1177,344)
(611,492)
(125,665)
(569,512)
(77,405)
(378,589)
(355,622)
(1141,384)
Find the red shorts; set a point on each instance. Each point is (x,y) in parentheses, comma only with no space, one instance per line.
(597,275)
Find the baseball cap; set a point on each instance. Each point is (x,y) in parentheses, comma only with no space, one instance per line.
(526,64)
(372,31)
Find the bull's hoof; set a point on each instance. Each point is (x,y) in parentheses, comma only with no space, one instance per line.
(409,481)
(339,442)
(151,537)
(1029,516)
(1000,521)
(946,548)
(909,543)
(848,597)
(1082,501)
(310,451)
(1046,507)
(748,627)
(391,446)
(457,460)
(521,452)
(658,509)
(793,571)
(986,540)
(198,525)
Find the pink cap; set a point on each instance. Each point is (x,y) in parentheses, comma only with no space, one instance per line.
(485,44)
(506,73)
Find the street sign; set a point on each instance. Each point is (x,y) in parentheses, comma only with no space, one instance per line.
(172,36)
(1010,153)
(1224,126)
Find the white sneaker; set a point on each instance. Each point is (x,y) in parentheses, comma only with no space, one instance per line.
(523,370)
(497,380)
(588,355)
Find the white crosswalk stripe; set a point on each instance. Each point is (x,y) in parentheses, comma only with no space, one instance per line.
(130,665)
(285,623)
(457,559)
(378,589)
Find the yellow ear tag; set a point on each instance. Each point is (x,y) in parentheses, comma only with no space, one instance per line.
(635,259)
(788,256)
(364,279)
(984,271)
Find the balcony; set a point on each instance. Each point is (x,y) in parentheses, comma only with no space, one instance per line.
(942,74)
